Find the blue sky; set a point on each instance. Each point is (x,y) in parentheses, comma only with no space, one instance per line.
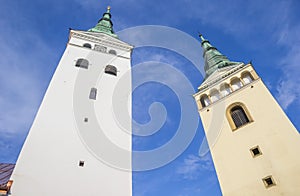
(34,35)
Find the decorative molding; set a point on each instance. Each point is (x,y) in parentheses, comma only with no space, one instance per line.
(97,51)
(103,40)
(230,94)
(227,74)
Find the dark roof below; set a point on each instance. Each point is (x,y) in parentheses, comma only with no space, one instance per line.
(6,170)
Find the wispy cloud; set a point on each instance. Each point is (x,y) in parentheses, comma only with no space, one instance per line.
(24,57)
(193,166)
(288,85)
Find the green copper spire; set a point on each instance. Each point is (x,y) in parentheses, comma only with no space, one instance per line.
(213,58)
(105,24)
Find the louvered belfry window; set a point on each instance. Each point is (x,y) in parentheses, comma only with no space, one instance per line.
(239,116)
(83,63)
(110,69)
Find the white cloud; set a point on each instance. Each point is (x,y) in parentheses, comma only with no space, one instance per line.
(24,57)
(288,86)
(193,166)
(288,93)
(21,88)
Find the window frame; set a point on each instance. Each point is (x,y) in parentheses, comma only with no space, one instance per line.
(229,117)
(253,153)
(267,185)
(93,93)
(202,99)
(215,95)
(87,45)
(113,52)
(233,83)
(244,76)
(82,63)
(224,87)
(111,70)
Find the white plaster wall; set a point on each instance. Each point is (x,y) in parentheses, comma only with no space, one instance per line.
(238,172)
(48,162)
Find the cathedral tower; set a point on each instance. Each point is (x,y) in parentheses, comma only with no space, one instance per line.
(254,146)
(76,123)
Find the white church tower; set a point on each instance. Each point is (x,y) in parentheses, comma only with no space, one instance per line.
(78,143)
(254,146)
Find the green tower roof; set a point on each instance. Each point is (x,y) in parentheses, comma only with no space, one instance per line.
(105,25)
(213,58)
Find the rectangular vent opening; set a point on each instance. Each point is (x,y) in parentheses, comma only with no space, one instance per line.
(81,163)
(255,151)
(269,181)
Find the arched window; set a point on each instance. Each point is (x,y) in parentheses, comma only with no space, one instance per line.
(83,63)
(204,100)
(236,84)
(87,45)
(247,77)
(214,95)
(225,89)
(239,116)
(112,52)
(110,69)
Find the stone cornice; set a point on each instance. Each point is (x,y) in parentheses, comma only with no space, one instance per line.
(101,39)
(207,84)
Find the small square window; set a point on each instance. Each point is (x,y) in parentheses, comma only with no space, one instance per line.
(255,151)
(269,181)
(86,120)
(81,163)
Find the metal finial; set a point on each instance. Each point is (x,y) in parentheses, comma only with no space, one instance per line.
(201,37)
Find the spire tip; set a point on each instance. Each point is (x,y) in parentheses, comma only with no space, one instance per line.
(201,37)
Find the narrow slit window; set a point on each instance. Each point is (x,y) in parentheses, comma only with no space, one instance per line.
(239,116)
(269,181)
(86,120)
(93,93)
(83,63)
(110,69)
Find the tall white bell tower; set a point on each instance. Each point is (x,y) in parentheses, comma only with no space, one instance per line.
(78,144)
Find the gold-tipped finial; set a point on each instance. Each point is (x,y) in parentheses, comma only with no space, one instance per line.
(108,7)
